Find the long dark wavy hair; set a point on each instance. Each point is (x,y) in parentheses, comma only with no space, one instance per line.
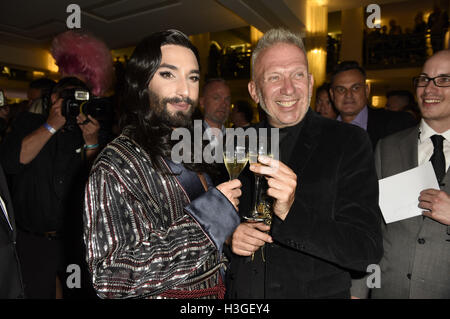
(140,119)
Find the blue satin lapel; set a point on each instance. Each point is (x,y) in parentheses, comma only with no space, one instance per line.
(209,181)
(188,180)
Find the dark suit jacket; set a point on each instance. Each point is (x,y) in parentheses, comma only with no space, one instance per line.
(381,123)
(10,276)
(333,226)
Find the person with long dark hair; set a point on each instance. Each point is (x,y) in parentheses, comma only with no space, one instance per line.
(154,227)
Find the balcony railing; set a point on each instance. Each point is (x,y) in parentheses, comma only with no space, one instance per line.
(380,51)
(383,51)
(230,66)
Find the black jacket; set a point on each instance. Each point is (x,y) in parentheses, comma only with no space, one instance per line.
(333,227)
(10,276)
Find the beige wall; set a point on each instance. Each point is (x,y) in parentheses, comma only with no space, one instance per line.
(352,26)
(36,59)
(24,59)
(201,41)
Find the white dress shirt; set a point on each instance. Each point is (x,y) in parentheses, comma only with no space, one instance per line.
(425,145)
(213,134)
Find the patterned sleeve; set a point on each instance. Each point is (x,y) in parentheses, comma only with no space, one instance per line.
(130,252)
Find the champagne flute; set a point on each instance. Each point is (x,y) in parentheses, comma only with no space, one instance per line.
(235,160)
(262,204)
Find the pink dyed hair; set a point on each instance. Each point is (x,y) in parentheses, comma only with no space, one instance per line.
(86,56)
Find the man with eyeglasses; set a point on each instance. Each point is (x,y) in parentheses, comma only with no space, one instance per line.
(349,92)
(416,262)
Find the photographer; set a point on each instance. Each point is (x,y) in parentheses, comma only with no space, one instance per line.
(47,157)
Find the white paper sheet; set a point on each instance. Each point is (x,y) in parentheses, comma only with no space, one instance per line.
(399,194)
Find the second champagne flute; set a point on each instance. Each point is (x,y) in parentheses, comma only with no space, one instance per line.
(235,160)
(262,204)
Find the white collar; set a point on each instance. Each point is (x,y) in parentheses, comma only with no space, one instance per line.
(222,128)
(426,132)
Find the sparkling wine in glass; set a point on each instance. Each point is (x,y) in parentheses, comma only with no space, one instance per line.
(261,210)
(235,160)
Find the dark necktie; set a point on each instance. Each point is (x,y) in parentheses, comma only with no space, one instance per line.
(438,158)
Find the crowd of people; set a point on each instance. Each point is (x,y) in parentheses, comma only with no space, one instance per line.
(89,181)
(392,45)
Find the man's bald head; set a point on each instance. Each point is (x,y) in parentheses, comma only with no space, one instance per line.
(433,92)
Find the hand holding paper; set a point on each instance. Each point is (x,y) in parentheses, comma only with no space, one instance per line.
(399,193)
(437,203)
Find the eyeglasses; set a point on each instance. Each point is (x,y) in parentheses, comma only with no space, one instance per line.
(441,81)
(342,90)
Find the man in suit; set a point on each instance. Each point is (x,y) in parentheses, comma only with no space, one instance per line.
(349,92)
(216,104)
(416,262)
(10,276)
(325,194)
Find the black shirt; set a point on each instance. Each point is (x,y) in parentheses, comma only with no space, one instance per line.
(50,187)
(288,136)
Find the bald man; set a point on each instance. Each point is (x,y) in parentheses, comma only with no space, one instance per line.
(416,262)
(216,104)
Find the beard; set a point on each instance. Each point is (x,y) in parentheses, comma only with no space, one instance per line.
(179,118)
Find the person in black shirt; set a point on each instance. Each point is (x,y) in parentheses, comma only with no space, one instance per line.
(47,163)
(11,286)
(322,192)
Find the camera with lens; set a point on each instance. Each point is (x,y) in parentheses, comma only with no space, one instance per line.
(78,101)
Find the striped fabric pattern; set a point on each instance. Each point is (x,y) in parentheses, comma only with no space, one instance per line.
(140,241)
